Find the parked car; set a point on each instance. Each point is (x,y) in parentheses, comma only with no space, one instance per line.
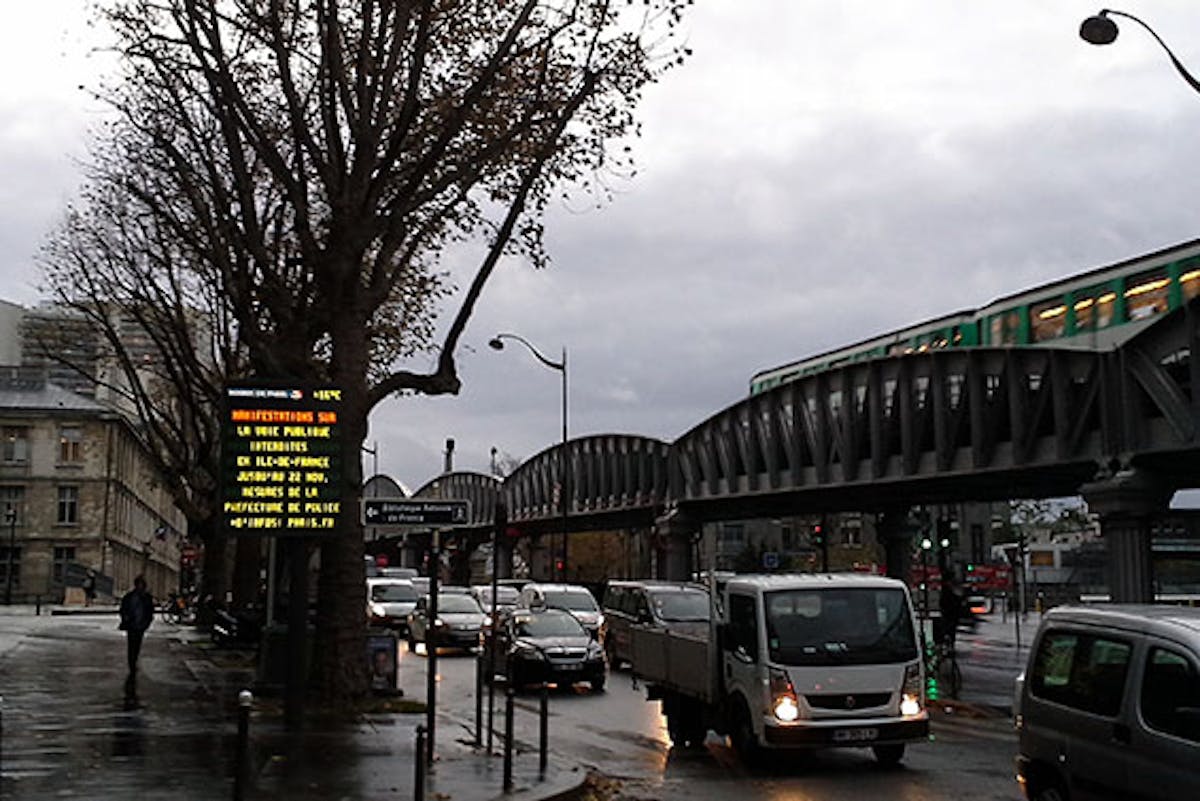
(572,598)
(389,602)
(546,644)
(459,622)
(680,606)
(506,597)
(398,572)
(1109,705)
(420,584)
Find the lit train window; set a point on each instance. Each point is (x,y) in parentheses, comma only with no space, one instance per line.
(1146,294)
(1094,308)
(1049,320)
(1006,328)
(1189,281)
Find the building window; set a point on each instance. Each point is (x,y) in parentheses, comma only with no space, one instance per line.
(15,444)
(62,555)
(70,445)
(733,534)
(68,506)
(12,498)
(5,554)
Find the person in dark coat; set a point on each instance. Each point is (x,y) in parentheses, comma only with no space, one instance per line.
(137,613)
(950,604)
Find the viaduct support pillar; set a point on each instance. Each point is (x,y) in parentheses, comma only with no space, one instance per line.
(1127,504)
(674,538)
(413,550)
(891,527)
(541,557)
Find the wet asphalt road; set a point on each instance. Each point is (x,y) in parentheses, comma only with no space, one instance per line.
(621,735)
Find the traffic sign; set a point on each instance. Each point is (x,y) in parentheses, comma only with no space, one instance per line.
(414,512)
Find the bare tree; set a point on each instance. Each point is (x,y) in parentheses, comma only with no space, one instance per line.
(312,162)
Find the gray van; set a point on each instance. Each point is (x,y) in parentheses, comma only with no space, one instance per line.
(1109,705)
(680,606)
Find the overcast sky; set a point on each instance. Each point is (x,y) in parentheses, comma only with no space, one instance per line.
(819,172)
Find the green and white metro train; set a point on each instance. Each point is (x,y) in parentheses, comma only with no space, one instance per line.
(1094,310)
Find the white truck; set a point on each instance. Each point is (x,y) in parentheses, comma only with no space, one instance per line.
(793,662)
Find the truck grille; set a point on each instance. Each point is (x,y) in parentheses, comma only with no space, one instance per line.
(848,701)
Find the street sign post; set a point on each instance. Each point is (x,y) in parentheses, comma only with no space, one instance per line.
(415,512)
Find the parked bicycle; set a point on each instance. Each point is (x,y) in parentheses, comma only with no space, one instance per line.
(177,608)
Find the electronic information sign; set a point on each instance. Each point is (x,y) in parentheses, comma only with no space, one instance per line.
(281,460)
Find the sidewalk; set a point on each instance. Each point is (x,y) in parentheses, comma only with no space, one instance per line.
(73,729)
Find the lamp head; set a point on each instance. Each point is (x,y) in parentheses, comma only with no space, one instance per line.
(1098,30)
(495,343)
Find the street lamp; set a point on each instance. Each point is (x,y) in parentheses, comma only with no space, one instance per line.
(497,343)
(1101,30)
(10,517)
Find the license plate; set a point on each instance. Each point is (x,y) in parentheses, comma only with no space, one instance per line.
(567,668)
(855,735)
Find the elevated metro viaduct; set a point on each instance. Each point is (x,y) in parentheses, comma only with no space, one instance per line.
(1121,427)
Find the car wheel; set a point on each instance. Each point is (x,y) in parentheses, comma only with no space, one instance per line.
(888,755)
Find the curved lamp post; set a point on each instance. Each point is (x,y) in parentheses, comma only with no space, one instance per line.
(1101,30)
(497,343)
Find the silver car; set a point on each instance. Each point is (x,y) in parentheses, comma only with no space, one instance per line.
(460,622)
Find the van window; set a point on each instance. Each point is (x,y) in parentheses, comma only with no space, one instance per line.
(743,628)
(853,626)
(1171,694)
(680,605)
(1081,671)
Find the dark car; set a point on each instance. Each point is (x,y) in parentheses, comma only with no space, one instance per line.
(532,646)
(460,621)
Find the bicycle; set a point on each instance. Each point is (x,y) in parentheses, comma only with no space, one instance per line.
(943,675)
(176,609)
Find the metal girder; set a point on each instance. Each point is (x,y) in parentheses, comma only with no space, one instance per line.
(479,489)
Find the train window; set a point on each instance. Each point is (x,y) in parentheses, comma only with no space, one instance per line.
(1190,281)
(1094,308)
(1049,320)
(1146,294)
(1006,328)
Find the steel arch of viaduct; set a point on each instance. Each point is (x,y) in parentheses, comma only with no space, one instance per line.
(968,424)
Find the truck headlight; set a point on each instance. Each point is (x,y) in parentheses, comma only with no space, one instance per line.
(784,704)
(912,694)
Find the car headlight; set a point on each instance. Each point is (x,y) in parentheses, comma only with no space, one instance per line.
(594,651)
(438,623)
(530,652)
(377,609)
(487,621)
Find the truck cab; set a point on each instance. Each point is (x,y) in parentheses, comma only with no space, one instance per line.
(817,661)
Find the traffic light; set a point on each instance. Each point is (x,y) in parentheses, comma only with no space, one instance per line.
(970,567)
(818,535)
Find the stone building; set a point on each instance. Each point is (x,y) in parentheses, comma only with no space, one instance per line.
(77,491)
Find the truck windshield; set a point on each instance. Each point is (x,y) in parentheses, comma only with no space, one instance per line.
(852,626)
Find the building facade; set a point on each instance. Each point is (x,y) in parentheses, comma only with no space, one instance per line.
(78,492)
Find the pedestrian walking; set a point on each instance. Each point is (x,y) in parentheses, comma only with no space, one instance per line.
(137,612)
(89,587)
(950,605)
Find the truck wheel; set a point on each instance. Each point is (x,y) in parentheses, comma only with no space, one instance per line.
(745,741)
(888,755)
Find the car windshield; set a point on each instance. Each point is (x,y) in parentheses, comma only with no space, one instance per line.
(680,605)
(548,624)
(395,593)
(456,604)
(853,626)
(571,600)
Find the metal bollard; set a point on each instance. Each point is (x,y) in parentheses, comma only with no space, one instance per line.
(508,740)
(241,757)
(543,730)
(419,766)
(479,701)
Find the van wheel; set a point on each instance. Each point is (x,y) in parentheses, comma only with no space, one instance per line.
(888,755)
